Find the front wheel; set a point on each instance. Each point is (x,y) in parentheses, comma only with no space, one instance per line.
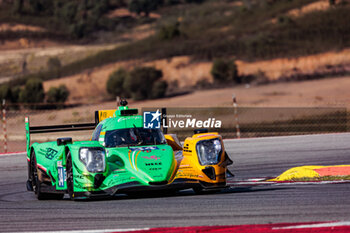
(70,180)
(37,184)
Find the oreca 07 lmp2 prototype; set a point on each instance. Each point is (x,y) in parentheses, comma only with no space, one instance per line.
(122,157)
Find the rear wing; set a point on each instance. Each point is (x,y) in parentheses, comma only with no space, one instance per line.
(99,116)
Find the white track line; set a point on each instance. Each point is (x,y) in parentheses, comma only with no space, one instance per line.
(281,137)
(258,183)
(313,182)
(13,153)
(316,225)
(256,179)
(92,231)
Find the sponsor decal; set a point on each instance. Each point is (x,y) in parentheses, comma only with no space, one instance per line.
(206,135)
(187,175)
(151,120)
(120,119)
(50,153)
(119,170)
(153,157)
(155,168)
(148,148)
(192,123)
(61,174)
(153,164)
(186,167)
(80,177)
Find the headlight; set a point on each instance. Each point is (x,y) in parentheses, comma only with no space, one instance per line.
(93,158)
(209,151)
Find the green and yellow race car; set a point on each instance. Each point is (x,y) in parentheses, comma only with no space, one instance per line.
(123,156)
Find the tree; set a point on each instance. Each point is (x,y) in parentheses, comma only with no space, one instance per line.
(146,6)
(18,6)
(33,92)
(9,94)
(194,1)
(118,3)
(54,67)
(172,2)
(135,6)
(170,31)
(68,12)
(248,4)
(140,82)
(225,71)
(83,17)
(15,94)
(57,94)
(159,89)
(5,92)
(115,83)
(54,63)
(100,8)
(39,6)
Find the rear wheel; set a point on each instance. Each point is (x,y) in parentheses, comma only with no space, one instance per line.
(37,184)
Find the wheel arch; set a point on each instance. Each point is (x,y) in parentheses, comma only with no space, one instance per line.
(72,149)
(66,151)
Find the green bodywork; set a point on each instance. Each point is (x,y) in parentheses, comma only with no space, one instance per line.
(133,166)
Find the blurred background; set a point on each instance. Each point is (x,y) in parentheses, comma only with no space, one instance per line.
(285,62)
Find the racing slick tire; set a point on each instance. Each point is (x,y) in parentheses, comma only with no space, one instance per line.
(70,180)
(200,191)
(37,184)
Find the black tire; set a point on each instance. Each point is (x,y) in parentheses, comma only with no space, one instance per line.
(37,185)
(149,194)
(200,191)
(70,180)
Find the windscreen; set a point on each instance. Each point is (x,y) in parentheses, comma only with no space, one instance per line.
(134,137)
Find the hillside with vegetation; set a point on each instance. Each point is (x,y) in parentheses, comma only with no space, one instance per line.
(215,31)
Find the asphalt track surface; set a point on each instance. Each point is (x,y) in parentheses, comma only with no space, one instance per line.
(264,157)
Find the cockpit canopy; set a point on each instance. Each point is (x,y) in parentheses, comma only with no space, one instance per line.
(133,137)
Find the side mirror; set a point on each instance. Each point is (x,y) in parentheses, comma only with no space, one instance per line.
(173,141)
(64,141)
(198,131)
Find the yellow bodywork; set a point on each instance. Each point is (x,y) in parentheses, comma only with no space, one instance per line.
(104,114)
(190,167)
